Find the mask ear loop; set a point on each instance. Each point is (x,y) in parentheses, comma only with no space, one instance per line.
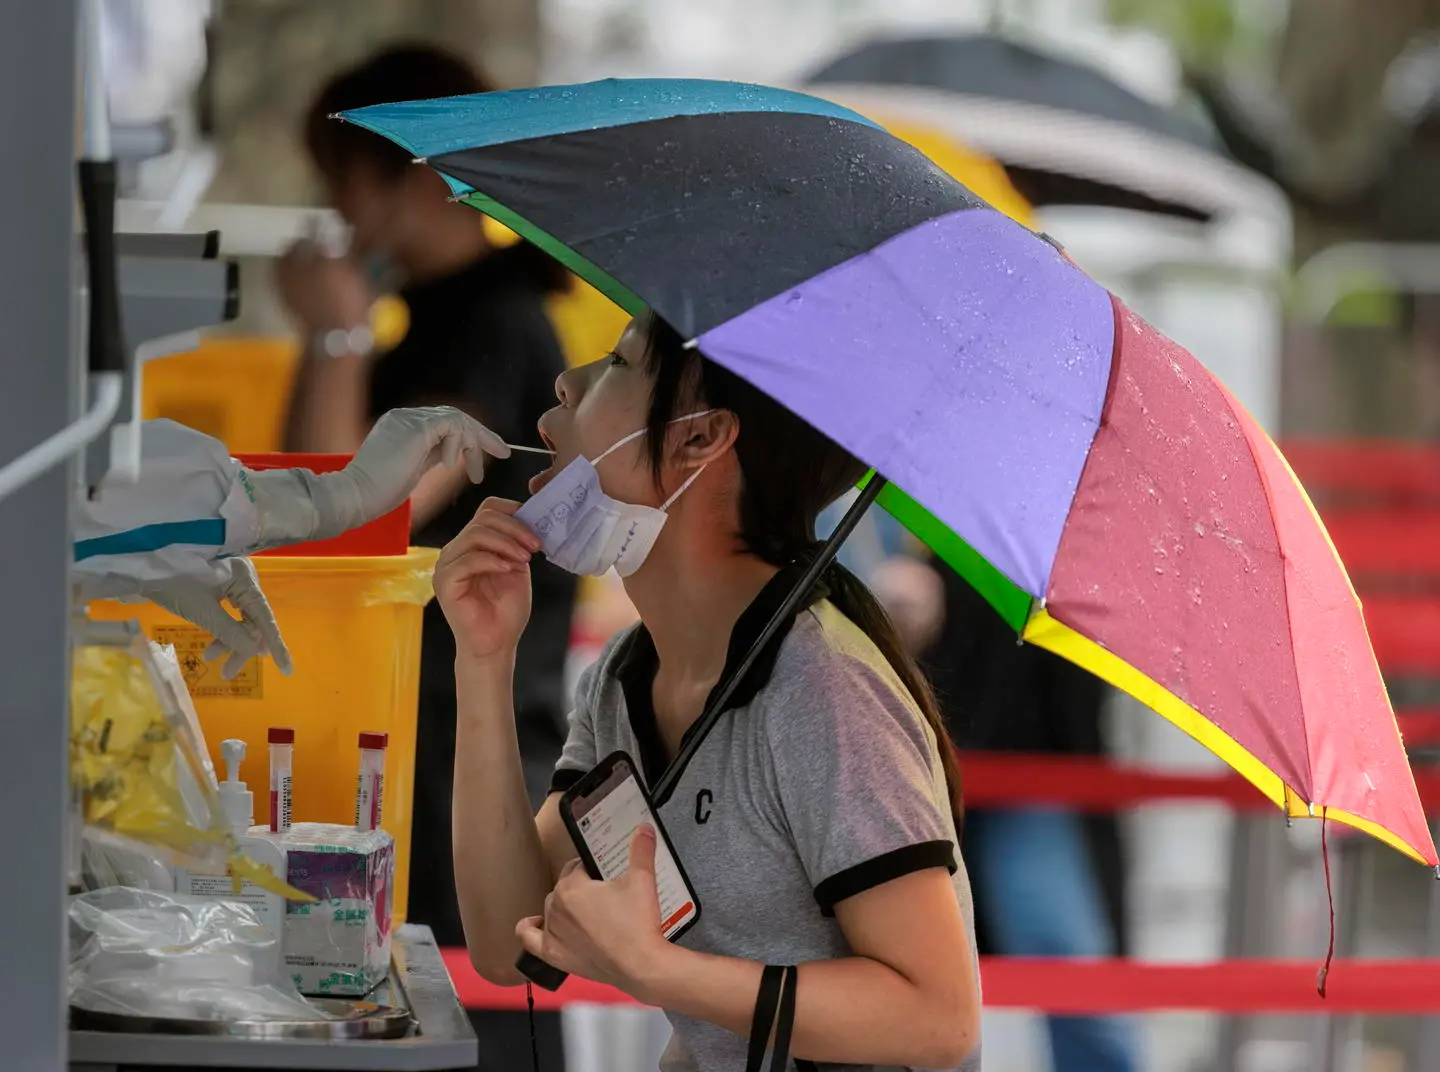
(613,447)
(665,506)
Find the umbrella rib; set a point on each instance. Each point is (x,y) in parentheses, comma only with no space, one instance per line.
(1284,578)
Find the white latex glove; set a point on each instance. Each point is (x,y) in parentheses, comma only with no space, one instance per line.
(239,639)
(296,505)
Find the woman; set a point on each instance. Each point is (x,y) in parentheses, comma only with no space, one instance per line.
(816,822)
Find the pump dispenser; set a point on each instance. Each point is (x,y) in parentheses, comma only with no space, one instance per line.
(237,801)
(238,804)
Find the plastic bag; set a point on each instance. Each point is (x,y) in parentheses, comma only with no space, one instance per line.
(110,861)
(139,765)
(147,953)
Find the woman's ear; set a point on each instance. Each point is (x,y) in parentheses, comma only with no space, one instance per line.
(697,441)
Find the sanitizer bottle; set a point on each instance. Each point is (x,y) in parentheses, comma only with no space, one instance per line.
(239,806)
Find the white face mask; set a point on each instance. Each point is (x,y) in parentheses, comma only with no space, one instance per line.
(584,530)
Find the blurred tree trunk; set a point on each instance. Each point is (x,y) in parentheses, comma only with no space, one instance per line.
(268,59)
(1335,59)
(1349,164)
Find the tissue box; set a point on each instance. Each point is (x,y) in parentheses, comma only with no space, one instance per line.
(340,946)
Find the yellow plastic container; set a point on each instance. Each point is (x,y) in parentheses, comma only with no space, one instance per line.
(353,628)
(237,390)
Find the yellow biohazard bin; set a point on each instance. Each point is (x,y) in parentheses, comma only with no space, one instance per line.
(353,629)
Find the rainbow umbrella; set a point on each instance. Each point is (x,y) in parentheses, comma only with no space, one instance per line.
(1087,475)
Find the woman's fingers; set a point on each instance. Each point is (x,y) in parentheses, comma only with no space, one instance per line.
(489,535)
(457,578)
(541,942)
(499,517)
(500,506)
(531,932)
(493,540)
(465,565)
(570,867)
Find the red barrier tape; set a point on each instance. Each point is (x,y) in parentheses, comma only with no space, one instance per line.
(1397,988)
(1083,783)
(1395,543)
(1368,468)
(1419,727)
(1405,633)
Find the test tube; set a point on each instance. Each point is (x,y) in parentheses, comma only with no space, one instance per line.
(370,788)
(282,755)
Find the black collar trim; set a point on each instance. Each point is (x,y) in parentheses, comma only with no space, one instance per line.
(637,661)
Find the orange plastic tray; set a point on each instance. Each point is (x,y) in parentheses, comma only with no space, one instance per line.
(388,535)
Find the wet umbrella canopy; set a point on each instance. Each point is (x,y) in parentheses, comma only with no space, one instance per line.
(1068,133)
(1086,474)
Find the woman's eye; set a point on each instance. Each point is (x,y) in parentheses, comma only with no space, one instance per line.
(616,359)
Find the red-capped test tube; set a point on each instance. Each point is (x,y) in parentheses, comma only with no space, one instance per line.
(282,757)
(370,789)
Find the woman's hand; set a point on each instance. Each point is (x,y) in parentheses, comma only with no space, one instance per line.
(322,292)
(605,931)
(482,580)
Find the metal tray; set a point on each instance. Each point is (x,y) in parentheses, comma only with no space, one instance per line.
(352,1020)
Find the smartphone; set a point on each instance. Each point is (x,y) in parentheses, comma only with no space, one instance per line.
(602,811)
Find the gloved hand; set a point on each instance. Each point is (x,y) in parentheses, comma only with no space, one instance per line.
(240,640)
(296,505)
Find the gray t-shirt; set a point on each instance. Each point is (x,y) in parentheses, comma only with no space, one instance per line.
(823,781)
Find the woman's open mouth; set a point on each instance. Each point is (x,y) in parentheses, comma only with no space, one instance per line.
(540,479)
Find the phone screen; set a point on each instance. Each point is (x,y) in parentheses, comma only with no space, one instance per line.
(608,818)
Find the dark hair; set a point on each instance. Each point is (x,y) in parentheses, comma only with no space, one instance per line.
(789,472)
(400,73)
(405,73)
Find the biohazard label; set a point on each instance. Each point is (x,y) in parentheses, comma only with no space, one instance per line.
(203,678)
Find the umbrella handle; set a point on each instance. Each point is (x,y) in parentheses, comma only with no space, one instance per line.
(783,614)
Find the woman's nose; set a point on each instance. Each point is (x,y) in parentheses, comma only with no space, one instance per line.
(567,387)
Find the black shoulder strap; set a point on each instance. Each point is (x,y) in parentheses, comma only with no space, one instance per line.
(785,1020)
(775,1007)
(766,999)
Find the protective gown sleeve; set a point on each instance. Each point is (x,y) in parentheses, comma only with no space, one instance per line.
(190,507)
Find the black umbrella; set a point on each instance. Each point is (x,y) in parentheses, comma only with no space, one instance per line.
(1066,132)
